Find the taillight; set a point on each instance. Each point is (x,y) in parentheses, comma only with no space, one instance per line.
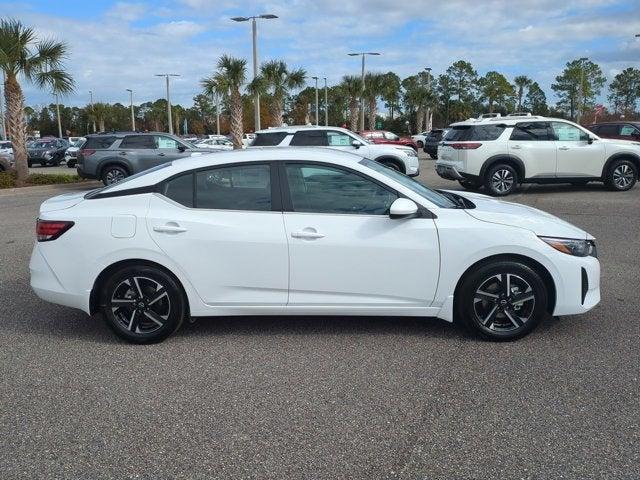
(87,151)
(465,146)
(51,229)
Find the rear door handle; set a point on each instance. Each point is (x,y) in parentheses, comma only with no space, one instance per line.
(161,154)
(516,147)
(123,153)
(307,235)
(169,229)
(563,148)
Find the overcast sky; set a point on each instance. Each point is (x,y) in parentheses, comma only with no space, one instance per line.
(120,45)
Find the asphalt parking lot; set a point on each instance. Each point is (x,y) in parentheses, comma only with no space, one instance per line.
(326,398)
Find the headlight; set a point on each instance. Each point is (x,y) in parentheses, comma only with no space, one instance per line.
(572,246)
(410,151)
(47,155)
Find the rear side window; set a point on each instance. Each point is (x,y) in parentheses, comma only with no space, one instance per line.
(180,189)
(307,138)
(531,131)
(269,139)
(99,142)
(462,133)
(138,141)
(608,130)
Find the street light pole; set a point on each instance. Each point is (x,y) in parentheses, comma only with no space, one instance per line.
(167,75)
(133,118)
(316,79)
(254,32)
(363,54)
(326,104)
(581,103)
(92,114)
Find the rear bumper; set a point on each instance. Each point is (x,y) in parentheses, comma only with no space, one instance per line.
(449,172)
(83,174)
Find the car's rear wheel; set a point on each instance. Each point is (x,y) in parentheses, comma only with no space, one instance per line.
(420,143)
(503,300)
(622,175)
(501,180)
(143,304)
(113,174)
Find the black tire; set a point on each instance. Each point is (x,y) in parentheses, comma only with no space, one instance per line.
(501,180)
(433,156)
(468,185)
(622,175)
(500,318)
(71,163)
(420,144)
(393,165)
(152,305)
(113,173)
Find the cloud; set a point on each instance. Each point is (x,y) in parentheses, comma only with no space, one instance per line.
(127,12)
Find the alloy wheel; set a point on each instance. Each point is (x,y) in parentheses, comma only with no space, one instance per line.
(114,176)
(140,304)
(623,176)
(504,302)
(502,180)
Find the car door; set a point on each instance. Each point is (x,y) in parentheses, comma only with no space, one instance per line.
(578,156)
(533,143)
(223,227)
(139,151)
(345,250)
(169,149)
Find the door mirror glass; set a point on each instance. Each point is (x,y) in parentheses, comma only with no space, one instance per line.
(403,208)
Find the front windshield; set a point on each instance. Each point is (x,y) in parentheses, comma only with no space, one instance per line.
(42,144)
(434,197)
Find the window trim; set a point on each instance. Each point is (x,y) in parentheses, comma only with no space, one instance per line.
(276,195)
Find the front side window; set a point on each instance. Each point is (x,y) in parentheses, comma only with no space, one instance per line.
(629,131)
(531,131)
(565,132)
(241,187)
(134,142)
(166,143)
(608,130)
(309,138)
(324,189)
(338,139)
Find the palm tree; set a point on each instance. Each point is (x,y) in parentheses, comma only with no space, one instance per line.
(352,87)
(374,86)
(40,62)
(391,91)
(522,82)
(227,81)
(100,113)
(277,80)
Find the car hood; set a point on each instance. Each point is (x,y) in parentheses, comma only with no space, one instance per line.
(63,201)
(489,209)
(619,141)
(381,149)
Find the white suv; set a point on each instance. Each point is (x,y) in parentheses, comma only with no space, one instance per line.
(501,152)
(400,158)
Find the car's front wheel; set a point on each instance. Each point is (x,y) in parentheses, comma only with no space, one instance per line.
(501,180)
(420,143)
(113,174)
(143,304)
(622,175)
(503,300)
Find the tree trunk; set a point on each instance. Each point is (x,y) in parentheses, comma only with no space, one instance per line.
(276,111)
(490,105)
(419,119)
(354,119)
(236,119)
(17,127)
(372,113)
(101,123)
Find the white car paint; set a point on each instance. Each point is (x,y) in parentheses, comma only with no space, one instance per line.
(419,137)
(215,144)
(236,262)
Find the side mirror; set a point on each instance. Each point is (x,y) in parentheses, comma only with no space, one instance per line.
(403,208)
(356,143)
(181,148)
(590,140)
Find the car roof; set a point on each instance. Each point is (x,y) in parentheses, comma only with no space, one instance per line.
(296,128)
(508,120)
(124,134)
(617,122)
(253,154)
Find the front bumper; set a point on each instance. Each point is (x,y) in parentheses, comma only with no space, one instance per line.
(449,172)
(579,289)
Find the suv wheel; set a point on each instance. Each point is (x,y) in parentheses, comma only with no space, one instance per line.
(113,173)
(503,300)
(393,165)
(622,175)
(501,180)
(143,304)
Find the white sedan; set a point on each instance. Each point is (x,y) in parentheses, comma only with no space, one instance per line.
(305,231)
(215,144)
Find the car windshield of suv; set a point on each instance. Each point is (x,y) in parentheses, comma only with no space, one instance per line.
(416,187)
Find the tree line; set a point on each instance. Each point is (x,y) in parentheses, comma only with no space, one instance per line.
(413,104)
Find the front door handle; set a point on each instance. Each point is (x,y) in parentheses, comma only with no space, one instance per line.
(169,229)
(161,154)
(516,147)
(307,234)
(563,148)
(123,153)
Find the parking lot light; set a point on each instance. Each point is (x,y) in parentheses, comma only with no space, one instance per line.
(167,75)
(133,118)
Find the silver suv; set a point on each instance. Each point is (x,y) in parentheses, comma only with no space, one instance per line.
(112,157)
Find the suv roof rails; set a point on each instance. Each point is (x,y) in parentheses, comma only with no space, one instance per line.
(490,115)
(519,114)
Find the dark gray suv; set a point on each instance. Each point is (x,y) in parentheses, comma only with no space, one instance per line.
(112,157)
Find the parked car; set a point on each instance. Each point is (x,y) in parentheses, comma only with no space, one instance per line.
(401,158)
(618,130)
(383,136)
(215,144)
(305,231)
(500,153)
(419,138)
(6,148)
(112,157)
(73,140)
(47,151)
(71,155)
(247,139)
(6,162)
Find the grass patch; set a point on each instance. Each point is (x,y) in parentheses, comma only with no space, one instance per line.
(8,179)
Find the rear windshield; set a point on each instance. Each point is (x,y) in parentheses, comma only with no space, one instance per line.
(45,144)
(268,139)
(461,133)
(99,142)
